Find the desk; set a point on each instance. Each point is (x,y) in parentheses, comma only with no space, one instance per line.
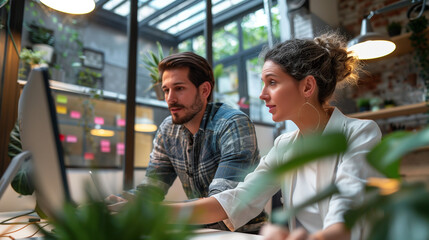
(201,234)
(212,234)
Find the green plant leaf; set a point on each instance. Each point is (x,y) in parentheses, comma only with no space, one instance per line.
(312,148)
(22,182)
(282,217)
(386,156)
(304,150)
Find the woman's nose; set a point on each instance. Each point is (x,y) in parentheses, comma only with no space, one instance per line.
(263,95)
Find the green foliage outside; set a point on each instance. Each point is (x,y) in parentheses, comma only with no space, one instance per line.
(225,41)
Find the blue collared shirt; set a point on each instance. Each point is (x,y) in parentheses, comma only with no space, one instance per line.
(216,158)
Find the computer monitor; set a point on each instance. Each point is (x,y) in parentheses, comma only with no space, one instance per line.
(40,136)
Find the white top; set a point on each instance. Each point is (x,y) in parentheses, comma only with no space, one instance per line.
(304,187)
(348,171)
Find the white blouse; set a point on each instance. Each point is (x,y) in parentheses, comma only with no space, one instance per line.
(348,171)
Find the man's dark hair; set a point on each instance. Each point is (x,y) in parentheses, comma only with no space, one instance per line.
(200,70)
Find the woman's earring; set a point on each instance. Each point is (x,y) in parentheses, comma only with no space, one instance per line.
(314,108)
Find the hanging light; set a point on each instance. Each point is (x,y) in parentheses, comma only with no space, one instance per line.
(71,6)
(144,124)
(370,44)
(99,132)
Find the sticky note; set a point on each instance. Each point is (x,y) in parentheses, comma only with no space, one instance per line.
(120,122)
(61,109)
(62,99)
(99,120)
(75,114)
(88,156)
(71,139)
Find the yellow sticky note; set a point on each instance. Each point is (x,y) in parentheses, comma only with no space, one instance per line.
(62,99)
(61,110)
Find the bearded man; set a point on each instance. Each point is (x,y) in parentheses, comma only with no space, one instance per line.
(210,146)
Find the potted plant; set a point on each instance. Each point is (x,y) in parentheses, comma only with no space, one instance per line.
(33,58)
(363,104)
(394,28)
(43,41)
(29,59)
(151,61)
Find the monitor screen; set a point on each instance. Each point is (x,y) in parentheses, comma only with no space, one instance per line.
(40,136)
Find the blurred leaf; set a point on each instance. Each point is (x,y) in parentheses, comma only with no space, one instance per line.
(304,150)
(22,182)
(386,156)
(143,218)
(282,217)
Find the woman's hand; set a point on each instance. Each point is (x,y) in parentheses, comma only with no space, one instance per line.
(274,232)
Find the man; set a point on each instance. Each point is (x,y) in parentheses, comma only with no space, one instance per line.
(211,147)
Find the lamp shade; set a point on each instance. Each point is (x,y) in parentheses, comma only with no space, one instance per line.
(71,6)
(144,124)
(369,44)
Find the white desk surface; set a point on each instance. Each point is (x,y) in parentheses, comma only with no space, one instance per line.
(7,231)
(212,234)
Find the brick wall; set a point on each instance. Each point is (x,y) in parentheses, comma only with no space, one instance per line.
(390,78)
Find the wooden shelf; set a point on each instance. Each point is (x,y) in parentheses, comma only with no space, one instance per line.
(403,44)
(393,111)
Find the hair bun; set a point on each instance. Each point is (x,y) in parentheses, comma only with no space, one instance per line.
(345,65)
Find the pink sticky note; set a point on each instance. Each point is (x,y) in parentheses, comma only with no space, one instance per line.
(105,143)
(120,148)
(99,120)
(105,149)
(120,122)
(75,114)
(71,139)
(89,156)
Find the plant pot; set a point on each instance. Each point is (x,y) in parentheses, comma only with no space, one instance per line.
(158,90)
(46,50)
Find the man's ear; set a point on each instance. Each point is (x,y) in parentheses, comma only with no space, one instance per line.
(205,89)
(309,86)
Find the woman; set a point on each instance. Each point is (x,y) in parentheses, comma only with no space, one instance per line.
(299,78)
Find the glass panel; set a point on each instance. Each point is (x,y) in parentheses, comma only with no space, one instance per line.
(258,111)
(276,21)
(221,6)
(188,22)
(79,116)
(160,4)
(185,46)
(181,16)
(227,86)
(144,12)
(254,29)
(123,10)
(199,45)
(111,4)
(225,41)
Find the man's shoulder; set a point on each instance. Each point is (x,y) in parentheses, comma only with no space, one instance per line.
(226,112)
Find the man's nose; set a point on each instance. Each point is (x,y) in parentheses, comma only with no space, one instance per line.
(170,97)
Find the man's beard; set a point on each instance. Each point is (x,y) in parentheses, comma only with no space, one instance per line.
(195,108)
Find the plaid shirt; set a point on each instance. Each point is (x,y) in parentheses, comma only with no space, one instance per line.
(216,158)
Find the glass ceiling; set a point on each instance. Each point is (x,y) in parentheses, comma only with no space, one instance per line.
(171,16)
